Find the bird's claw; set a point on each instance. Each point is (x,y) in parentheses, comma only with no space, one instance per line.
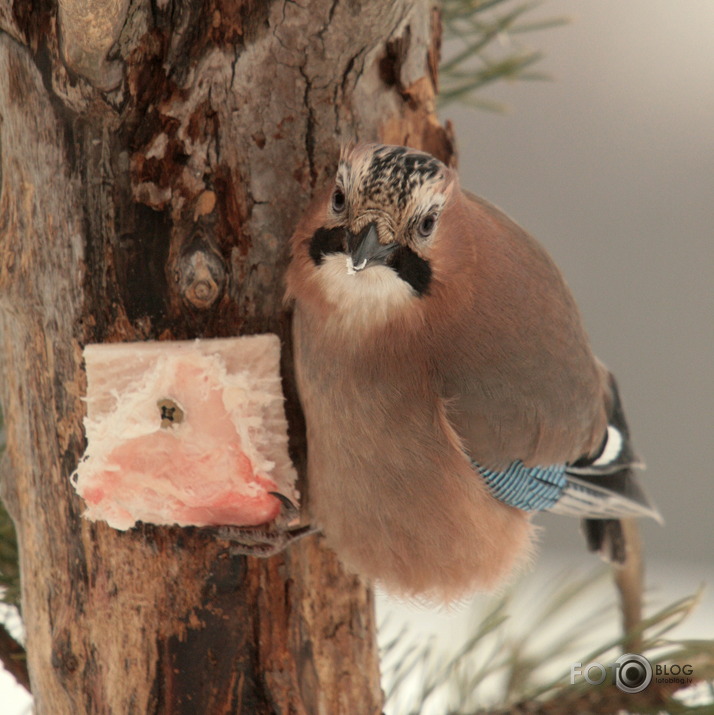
(262,541)
(268,539)
(289,514)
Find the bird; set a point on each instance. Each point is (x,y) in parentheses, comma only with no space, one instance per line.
(449,388)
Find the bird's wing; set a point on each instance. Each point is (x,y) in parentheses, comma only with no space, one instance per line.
(537,413)
(604,485)
(599,486)
(608,496)
(511,358)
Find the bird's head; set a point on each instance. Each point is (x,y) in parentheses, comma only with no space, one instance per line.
(369,239)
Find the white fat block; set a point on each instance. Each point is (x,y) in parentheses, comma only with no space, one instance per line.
(185,432)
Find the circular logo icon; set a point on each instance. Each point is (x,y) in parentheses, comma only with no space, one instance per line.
(633,673)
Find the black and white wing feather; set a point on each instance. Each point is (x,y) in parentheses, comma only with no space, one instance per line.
(604,488)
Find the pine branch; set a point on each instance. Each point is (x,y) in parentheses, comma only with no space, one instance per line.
(629,582)
(9,559)
(481,35)
(603,699)
(13,658)
(494,654)
(12,654)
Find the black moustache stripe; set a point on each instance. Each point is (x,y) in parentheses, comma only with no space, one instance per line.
(325,241)
(411,268)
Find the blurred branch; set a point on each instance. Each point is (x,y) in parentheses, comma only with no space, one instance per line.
(9,558)
(9,564)
(12,656)
(503,666)
(605,699)
(629,578)
(481,47)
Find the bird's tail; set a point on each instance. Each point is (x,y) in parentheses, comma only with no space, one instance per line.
(603,487)
(606,538)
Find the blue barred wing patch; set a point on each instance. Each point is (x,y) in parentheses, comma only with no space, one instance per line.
(526,488)
(600,486)
(557,489)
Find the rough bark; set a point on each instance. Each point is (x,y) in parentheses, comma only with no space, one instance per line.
(155,157)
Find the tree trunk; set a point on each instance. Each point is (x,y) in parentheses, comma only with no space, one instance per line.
(155,157)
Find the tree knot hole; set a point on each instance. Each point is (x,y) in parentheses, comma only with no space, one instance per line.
(201,278)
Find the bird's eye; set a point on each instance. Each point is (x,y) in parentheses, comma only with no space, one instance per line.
(338,201)
(426,225)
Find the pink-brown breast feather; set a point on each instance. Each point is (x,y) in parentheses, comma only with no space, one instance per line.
(387,479)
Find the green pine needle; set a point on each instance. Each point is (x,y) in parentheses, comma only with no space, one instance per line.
(9,559)
(481,47)
(499,666)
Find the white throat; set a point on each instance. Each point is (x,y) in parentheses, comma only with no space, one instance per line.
(362,297)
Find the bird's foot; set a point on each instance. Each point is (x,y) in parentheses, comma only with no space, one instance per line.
(267,539)
(260,541)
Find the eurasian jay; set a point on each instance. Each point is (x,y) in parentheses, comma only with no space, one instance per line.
(449,388)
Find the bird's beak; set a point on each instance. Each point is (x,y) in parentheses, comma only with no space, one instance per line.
(365,250)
